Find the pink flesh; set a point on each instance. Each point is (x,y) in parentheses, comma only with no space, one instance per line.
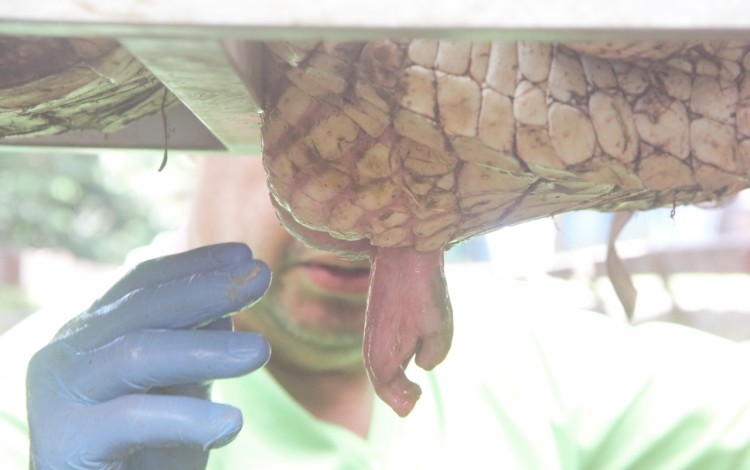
(408,315)
(408,311)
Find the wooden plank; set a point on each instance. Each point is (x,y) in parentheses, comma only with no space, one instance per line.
(201,74)
(303,19)
(726,254)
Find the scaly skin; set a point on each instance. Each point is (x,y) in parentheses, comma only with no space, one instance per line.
(422,144)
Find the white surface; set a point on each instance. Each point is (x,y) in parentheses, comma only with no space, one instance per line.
(298,18)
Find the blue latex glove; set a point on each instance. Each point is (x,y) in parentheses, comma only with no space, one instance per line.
(125,384)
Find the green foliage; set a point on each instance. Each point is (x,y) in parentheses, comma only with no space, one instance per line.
(67,201)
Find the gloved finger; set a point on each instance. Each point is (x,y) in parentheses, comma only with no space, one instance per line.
(142,360)
(198,389)
(168,268)
(183,303)
(169,458)
(182,457)
(195,390)
(134,421)
(111,431)
(220,324)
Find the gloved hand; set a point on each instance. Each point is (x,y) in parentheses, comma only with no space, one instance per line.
(125,384)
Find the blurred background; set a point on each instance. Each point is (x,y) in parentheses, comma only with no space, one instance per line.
(67,223)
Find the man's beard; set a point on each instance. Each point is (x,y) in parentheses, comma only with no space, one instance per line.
(271,305)
(318,338)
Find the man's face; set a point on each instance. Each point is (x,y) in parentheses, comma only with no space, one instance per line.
(313,314)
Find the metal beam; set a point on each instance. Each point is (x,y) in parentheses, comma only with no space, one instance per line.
(203,76)
(350,19)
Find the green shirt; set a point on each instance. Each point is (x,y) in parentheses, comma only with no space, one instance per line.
(525,387)
(564,391)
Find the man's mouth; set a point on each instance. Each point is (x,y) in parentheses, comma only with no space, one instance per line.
(337,278)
